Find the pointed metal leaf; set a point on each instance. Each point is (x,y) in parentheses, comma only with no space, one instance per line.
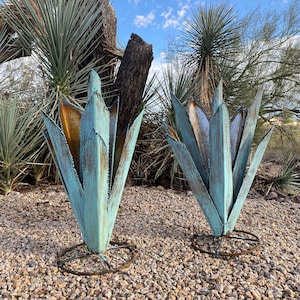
(96,115)
(95,185)
(112,138)
(200,125)
(245,145)
(94,84)
(236,130)
(189,139)
(122,170)
(63,158)
(217,99)
(118,151)
(220,177)
(247,182)
(169,130)
(197,185)
(70,121)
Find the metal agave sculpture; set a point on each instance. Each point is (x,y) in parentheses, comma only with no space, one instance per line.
(93,166)
(213,156)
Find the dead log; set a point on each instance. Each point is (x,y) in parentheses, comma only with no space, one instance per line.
(131,80)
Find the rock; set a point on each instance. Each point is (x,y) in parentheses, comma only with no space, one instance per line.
(220,288)
(296,199)
(272,196)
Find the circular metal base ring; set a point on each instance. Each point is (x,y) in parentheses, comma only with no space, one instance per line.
(236,243)
(108,263)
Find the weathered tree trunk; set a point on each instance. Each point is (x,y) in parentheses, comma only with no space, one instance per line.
(105,49)
(131,80)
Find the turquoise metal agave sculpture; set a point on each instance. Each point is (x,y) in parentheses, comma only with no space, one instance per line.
(93,166)
(213,156)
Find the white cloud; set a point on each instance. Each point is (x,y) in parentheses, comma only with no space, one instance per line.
(134,1)
(171,23)
(174,20)
(144,21)
(181,13)
(167,14)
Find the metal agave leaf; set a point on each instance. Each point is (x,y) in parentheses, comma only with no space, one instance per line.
(213,155)
(85,154)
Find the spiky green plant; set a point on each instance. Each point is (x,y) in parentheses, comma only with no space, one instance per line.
(20,141)
(287,179)
(3,40)
(209,36)
(60,33)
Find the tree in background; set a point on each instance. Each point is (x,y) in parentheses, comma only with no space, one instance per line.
(209,37)
(260,50)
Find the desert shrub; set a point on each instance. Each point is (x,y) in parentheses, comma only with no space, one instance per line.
(21,142)
(153,161)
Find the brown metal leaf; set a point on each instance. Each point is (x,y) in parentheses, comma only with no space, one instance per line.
(200,125)
(70,121)
(173,133)
(236,131)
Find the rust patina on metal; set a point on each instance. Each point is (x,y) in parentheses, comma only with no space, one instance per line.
(213,154)
(92,164)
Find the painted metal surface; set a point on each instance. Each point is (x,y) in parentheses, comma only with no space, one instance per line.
(86,155)
(188,137)
(221,182)
(220,175)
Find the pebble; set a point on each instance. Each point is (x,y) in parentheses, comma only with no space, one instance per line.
(37,225)
(272,196)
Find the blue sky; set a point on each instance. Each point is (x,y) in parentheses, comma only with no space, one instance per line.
(158,21)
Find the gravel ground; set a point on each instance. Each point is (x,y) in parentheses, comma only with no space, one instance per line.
(38,224)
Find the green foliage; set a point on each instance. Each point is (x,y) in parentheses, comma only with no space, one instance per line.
(268,58)
(288,178)
(260,50)
(209,38)
(60,34)
(283,177)
(20,141)
(153,161)
(210,34)
(285,140)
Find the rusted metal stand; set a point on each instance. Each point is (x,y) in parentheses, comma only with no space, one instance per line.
(236,243)
(79,260)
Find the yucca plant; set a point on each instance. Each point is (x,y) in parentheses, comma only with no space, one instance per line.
(286,179)
(61,34)
(213,155)
(20,141)
(209,37)
(93,166)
